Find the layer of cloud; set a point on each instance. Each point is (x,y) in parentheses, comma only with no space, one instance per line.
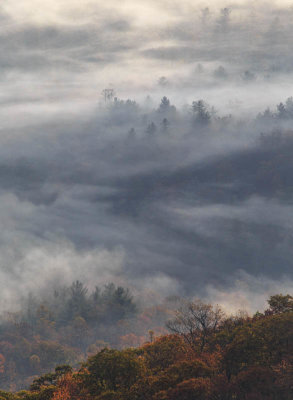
(81,197)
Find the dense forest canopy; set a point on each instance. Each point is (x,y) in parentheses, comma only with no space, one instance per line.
(208,356)
(69,325)
(73,323)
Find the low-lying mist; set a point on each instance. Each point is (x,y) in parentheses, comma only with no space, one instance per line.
(165,201)
(179,196)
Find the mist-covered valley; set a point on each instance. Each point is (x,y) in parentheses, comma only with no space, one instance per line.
(145,161)
(157,198)
(163,200)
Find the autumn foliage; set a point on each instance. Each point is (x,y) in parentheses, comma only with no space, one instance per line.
(244,358)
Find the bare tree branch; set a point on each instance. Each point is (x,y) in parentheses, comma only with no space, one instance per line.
(195,322)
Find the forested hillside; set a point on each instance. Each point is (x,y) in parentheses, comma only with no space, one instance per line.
(71,324)
(210,357)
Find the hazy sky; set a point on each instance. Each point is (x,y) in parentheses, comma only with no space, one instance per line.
(78,201)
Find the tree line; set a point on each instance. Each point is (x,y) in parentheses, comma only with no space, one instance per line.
(207,356)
